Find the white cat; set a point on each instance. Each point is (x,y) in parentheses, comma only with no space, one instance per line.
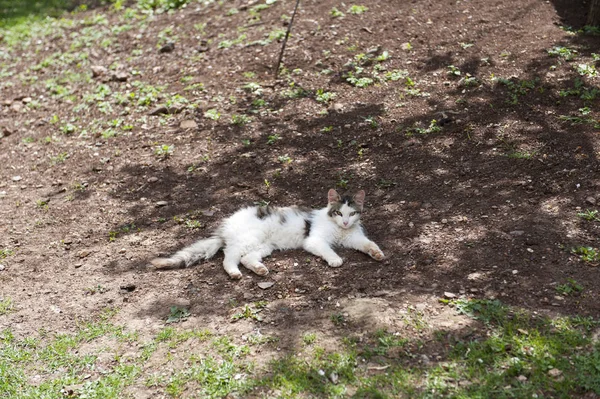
(253,233)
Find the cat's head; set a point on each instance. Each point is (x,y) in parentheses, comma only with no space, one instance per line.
(345,210)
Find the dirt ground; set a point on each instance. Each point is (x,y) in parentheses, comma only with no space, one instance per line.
(483,205)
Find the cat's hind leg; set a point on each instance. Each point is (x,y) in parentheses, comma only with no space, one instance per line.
(252,260)
(231,261)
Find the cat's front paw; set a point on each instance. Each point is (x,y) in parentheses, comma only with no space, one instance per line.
(261,270)
(335,262)
(375,253)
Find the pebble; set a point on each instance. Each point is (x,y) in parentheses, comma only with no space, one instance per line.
(16,178)
(78,265)
(591,200)
(167,48)
(188,124)
(554,372)
(161,203)
(265,284)
(449,295)
(153,179)
(2,267)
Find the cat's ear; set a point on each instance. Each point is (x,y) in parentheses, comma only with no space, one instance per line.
(359,198)
(333,196)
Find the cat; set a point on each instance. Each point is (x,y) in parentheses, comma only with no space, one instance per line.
(253,233)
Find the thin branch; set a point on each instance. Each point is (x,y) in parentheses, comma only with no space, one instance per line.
(287,34)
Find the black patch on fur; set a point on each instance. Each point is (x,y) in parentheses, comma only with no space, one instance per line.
(307,227)
(263,211)
(346,199)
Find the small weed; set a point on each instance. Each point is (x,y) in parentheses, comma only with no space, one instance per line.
(6,306)
(563,52)
(164,151)
(323,96)
(272,139)
(309,338)
(357,9)
(212,114)
(284,159)
(60,158)
(338,319)
(453,71)
(589,215)
(586,70)
(98,289)
(587,254)
(250,312)
(327,129)
(335,13)
(571,287)
(240,120)
(177,314)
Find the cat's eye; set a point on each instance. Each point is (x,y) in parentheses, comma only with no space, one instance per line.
(337,213)
(352,213)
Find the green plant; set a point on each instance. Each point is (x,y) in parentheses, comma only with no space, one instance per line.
(309,338)
(335,13)
(272,139)
(212,114)
(587,254)
(284,158)
(571,287)
(586,70)
(563,52)
(177,314)
(453,71)
(6,306)
(323,96)
(357,9)
(240,120)
(164,150)
(338,319)
(250,312)
(589,215)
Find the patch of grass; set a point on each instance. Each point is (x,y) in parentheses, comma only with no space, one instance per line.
(212,114)
(6,306)
(164,151)
(250,311)
(272,139)
(566,53)
(589,215)
(309,338)
(571,287)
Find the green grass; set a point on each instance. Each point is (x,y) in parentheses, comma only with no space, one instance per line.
(511,353)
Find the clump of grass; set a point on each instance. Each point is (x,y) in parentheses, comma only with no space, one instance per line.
(571,287)
(587,254)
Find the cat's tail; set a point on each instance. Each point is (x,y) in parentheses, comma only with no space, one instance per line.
(202,249)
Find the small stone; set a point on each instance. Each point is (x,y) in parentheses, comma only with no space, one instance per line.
(152,179)
(122,250)
(203,47)
(2,267)
(26,100)
(16,178)
(188,124)
(265,284)
(333,377)
(515,271)
(83,254)
(120,76)
(449,295)
(554,373)
(444,221)
(161,204)
(98,70)
(521,378)
(337,107)
(78,265)
(406,46)
(167,48)
(591,200)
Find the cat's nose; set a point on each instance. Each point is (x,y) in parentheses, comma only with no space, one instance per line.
(345,223)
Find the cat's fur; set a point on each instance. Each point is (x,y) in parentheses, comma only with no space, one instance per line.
(253,233)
